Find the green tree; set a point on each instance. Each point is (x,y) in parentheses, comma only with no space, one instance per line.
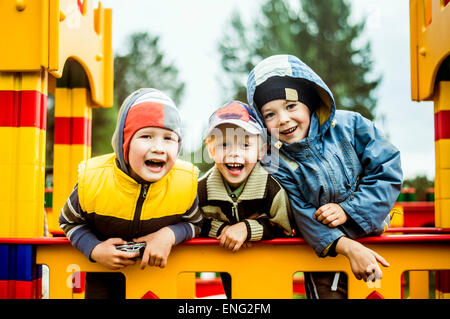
(422,185)
(319,33)
(142,65)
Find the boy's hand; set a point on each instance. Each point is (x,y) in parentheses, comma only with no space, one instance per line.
(233,236)
(331,214)
(363,261)
(158,247)
(108,256)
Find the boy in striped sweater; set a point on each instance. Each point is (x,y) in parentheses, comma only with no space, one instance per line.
(240,201)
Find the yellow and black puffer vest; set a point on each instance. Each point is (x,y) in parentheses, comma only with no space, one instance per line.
(118,206)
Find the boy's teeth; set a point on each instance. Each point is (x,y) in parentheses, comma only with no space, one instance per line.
(290,130)
(154,162)
(234,165)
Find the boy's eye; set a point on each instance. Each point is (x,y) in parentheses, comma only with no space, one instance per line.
(146,136)
(269,115)
(290,106)
(170,138)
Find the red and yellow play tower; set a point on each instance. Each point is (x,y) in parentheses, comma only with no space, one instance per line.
(57,47)
(430,81)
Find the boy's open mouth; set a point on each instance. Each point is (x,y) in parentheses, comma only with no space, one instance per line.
(234,168)
(155,164)
(289,131)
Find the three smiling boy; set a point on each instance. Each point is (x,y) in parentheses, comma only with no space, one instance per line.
(340,174)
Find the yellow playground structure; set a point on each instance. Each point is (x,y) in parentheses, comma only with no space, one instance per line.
(63,48)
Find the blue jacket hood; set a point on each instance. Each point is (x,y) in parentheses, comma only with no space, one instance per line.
(289,65)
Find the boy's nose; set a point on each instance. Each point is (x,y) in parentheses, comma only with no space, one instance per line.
(283,118)
(157,147)
(234,151)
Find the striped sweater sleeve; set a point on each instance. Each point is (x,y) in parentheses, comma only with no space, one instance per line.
(190,224)
(73,222)
(275,224)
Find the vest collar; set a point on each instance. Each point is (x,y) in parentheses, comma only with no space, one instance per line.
(126,179)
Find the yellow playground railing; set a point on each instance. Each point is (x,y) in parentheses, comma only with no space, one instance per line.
(262,271)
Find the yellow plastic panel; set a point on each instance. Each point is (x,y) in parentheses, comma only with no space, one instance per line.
(442,216)
(24,81)
(418,285)
(22,187)
(442,153)
(25,35)
(72,103)
(86,38)
(442,97)
(442,184)
(428,49)
(274,280)
(65,176)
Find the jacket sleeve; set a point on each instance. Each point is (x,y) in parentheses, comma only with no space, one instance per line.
(190,225)
(73,222)
(380,182)
(319,236)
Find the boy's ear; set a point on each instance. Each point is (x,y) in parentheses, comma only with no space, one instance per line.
(209,147)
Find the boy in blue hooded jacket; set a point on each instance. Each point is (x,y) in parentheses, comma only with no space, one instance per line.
(341,174)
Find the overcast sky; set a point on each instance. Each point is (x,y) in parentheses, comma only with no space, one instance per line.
(190,31)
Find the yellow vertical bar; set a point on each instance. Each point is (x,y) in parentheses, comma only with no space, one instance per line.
(69,103)
(22,153)
(414,44)
(418,285)
(186,285)
(442,150)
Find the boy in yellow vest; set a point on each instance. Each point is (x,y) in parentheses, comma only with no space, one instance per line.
(140,193)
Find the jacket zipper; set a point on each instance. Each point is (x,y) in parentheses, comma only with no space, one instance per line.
(137,212)
(348,185)
(234,209)
(331,190)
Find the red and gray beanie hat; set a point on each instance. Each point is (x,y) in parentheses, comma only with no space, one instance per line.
(145,107)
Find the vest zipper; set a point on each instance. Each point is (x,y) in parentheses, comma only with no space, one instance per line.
(137,212)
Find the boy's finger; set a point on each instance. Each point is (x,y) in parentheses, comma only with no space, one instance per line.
(330,217)
(381,259)
(378,273)
(230,244)
(157,262)
(152,260)
(237,246)
(223,241)
(319,212)
(326,214)
(117,241)
(144,260)
(334,223)
(128,262)
(127,254)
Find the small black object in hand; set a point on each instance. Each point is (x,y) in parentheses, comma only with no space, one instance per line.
(132,247)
